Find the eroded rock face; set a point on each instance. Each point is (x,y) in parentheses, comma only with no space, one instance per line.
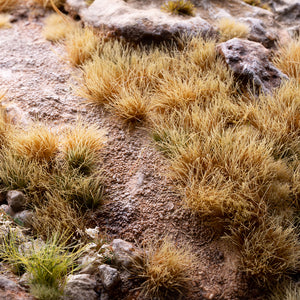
(16,200)
(139,24)
(80,287)
(260,33)
(249,62)
(124,252)
(109,276)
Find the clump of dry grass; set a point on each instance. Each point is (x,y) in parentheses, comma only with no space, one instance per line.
(48,3)
(287,291)
(131,105)
(57,27)
(38,142)
(4,21)
(269,251)
(81,44)
(79,190)
(179,7)
(164,270)
(56,214)
(81,145)
(277,118)
(7,5)
(229,28)
(21,173)
(288,59)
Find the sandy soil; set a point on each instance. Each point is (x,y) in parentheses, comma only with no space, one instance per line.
(140,202)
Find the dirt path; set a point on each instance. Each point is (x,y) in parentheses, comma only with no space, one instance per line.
(140,203)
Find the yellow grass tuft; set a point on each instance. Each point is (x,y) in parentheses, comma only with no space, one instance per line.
(56,215)
(80,147)
(164,270)
(230,28)
(57,27)
(269,251)
(131,105)
(81,44)
(48,4)
(8,5)
(179,7)
(4,21)
(288,59)
(38,142)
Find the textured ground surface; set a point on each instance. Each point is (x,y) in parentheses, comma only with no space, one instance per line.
(140,203)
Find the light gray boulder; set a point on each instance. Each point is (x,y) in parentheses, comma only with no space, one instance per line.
(109,276)
(138,24)
(124,252)
(249,61)
(80,287)
(16,200)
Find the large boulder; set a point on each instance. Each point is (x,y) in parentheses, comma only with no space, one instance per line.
(80,287)
(138,24)
(124,252)
(16,200)
(109,276)
(249,62)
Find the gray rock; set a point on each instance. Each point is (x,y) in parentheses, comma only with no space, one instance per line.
(25,280)
(80,287)
(7,209)
(7,284)
(260,33)
(24,217)
(109,276)
(138,24)
(249,62)
(289,14)
(16,200)
(124,252)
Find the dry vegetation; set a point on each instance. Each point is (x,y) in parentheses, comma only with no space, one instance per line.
(179,7)
(57,27)
(229,29)
(164,271)
(60,176)
(49,3)
(4,21)
(7,5)
(235,158)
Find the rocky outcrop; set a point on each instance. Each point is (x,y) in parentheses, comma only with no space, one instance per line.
(260,33)
(147,24)
(16,201)
(249,62)
(80,287)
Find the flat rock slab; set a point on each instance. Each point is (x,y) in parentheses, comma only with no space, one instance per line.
(138,24)
(249,62)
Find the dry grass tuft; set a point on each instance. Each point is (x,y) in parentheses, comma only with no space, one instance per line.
(269,251)
(288,59)
(4,21)
(164,270)
(56,214)
(21,173)
(277,118)
(229,28)
(57,27)
(79,190)
(38,142)
(179,7)
(48,4)
(8,5)
(81,145)
(81,44)
(131,105)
